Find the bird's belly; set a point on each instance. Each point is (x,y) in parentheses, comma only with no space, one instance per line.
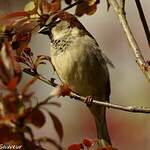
(75,69)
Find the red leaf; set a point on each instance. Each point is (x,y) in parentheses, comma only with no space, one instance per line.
(47,7)
(24,36)
(16,14)
(7,134)
(25,26)
(55,5)
(86,7)
(10,70)
(11,18)
(57,124)
(81,8)
(36,117)
(65,90)
(13,83)
(10,102)
(16,66)
(87,143)
(21,41)
(75,147)
(28,51)
(9,117)
(20,59)
(92,9)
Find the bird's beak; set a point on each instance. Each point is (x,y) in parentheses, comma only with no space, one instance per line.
(44,30)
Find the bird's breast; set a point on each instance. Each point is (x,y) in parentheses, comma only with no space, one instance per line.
(78,67)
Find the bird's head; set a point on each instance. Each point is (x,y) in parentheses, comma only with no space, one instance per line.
(61,24)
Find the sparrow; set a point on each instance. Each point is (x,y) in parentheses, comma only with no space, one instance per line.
(79,63)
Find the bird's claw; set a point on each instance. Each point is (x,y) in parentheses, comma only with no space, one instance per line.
(89,101)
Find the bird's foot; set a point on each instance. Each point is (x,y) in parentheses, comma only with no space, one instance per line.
(65,90)
(61,90)
(89,101)
(102,145)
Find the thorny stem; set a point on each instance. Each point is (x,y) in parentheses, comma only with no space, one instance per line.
(119,9)
(134,109)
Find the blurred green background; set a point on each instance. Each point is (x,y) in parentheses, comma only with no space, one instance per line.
(128,131)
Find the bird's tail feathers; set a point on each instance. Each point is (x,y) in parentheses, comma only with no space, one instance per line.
(101,125)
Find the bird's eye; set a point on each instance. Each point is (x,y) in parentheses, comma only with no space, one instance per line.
(57,20)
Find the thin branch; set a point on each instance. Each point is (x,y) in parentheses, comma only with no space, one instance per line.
(72,5)
(134,109)
(143,20)
(120,12)
(40,77)
(123,4)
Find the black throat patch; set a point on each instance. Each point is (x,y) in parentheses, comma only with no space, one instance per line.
(62,44)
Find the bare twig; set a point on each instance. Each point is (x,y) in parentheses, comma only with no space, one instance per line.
(134,109)
(143,20)
(119,9)
(123,4)
(72,5)
(40,77)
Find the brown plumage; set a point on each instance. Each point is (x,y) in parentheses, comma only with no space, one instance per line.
(80,63)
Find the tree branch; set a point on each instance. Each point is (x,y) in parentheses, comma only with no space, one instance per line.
(40,77)
(120,12)
(143,20)
(72,5)
(134,109)
(123,4)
